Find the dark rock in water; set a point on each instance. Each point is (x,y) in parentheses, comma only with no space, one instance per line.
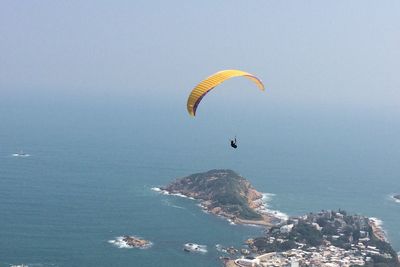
(192,247)
(135,242)
(397,197)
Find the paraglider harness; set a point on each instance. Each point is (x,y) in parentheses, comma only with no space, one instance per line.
(233,143)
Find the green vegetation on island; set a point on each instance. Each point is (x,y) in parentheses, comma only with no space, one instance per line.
(223,192)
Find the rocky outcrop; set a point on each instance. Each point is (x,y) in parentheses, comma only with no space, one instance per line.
(224,193)
(135,242)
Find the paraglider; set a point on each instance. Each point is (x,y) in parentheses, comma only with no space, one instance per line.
(211,82)
(233,143)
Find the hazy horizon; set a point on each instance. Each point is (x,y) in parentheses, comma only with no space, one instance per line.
(335,55)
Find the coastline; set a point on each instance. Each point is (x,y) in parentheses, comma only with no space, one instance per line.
(269,217)
(377,229)
(257,202)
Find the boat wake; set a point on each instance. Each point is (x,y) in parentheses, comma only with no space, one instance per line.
(169,204)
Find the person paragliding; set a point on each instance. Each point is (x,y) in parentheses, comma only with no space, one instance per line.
(233,143)
(197,94)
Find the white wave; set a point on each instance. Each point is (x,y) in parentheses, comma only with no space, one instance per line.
(192,247)
(203,208)
(266,197)
(21,155)
(169,204)
(157,189)
(120,243)
(178,195)
(377,221)
(177,207)
(28,265)
(165,192)
(393,198)
(219,248)
(231,222)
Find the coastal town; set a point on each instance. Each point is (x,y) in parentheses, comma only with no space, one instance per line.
(327,238)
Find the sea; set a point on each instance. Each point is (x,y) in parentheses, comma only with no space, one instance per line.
(93,160)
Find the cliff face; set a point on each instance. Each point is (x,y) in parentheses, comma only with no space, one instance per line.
(223,192)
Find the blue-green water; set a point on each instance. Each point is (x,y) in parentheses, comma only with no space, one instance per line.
(93,164)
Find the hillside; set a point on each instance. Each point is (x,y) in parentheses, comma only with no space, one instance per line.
(223,192)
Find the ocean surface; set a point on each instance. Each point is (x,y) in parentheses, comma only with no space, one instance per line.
(93,162)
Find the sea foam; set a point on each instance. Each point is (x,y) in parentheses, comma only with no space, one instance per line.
(266,197)
(391,196)
(120,243)
(165,192)
(192,247)
(156,189)
(21,156)
(169,204)
(377,221)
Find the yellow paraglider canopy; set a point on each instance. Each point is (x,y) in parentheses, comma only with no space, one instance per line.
(209,83)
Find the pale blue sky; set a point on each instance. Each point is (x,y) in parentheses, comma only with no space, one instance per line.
(319,53)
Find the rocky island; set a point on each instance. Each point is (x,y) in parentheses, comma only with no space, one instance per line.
(397,197)
(135,242)
(225,193)
(326,238)
(128,241)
